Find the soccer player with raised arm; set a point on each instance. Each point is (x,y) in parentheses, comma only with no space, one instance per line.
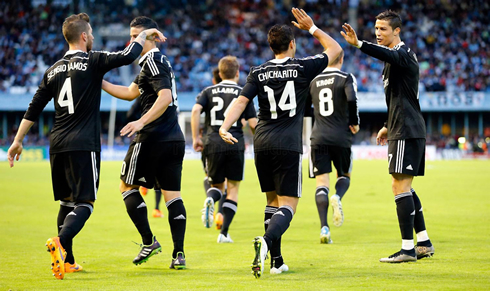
(223,161)
(281,86)
(75,83)
(404,130)
(154,158)
(334,97)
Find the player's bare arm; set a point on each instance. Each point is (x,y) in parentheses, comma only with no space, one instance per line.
(252,123)
(15,149)
(161,104)
(304,22)
(121,92)
(382,138)
(150,34)
(195,123)
(235,111)
(350,35)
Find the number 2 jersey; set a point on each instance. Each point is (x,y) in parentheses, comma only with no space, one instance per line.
(157,74)
(216,100)
(281,86)
(75,83)
(334,98)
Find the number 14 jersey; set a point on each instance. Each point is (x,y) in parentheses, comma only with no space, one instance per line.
(281,86)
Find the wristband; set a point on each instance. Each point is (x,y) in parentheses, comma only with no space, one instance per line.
(312,29)
(359,44)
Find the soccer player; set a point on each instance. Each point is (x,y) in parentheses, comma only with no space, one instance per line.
(404,130)
(155,156)
(334,97)
(223,161)
(75,84)
(281,85)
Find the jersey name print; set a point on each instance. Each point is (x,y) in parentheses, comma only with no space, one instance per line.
(281,86)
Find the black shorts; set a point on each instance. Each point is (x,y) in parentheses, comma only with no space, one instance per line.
(279,171)
(407,156)
(321,159)
(229,164)
(75,175)
(154,164)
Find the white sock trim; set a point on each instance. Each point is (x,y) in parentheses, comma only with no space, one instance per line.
(407,244)
(422,236)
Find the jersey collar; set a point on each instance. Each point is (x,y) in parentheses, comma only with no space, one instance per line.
(72,52)
(279,61)
(153,50)
(328,69)
(228,82)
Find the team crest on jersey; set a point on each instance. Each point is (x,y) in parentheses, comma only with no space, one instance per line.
(141,91)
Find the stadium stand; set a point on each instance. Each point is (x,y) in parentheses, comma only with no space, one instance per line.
(451,41)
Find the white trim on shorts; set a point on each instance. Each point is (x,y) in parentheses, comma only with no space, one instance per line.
(300,169)
(95,174)
(132,163)
(400,154)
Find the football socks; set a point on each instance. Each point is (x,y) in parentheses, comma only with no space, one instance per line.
(229,210)
(342,185)
(138,212)
(321,198)
(74,222)
(275,248)
(158,198)
(65,208)
(177,218)
(206,184)
(221,201)
(278,224)
(214,193)
(405,210)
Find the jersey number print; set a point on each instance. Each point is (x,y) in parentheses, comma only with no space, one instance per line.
(288,93)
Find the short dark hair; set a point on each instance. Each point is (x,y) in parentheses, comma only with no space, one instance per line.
(143,21)
(228,66)
(74,25)
(338,58)
(216,76)
(279,37)
(392,17)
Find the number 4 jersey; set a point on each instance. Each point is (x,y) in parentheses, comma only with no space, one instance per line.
(75,83)
(282,87)
(216,100)
(334,98)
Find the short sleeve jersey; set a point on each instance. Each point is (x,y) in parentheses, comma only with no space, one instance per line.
(330,93)
(75,83)
(157,74)
(401,85)
(216,100)
(281,86)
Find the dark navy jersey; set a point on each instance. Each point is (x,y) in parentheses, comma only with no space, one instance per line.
(216,100)
(75,83)
(281,86)
(401,85)
(331,92)
(157,74)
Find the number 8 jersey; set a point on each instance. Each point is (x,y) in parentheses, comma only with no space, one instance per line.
(281,86)
(75,83)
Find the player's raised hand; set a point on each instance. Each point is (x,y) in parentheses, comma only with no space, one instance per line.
(304,21)
(382,137)
(154,34)
(227,137)
(14,152)
(349,34)
(132,128)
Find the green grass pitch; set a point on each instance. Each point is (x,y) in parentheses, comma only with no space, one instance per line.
(454,196)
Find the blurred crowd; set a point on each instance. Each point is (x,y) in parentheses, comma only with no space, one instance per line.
(451,38)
